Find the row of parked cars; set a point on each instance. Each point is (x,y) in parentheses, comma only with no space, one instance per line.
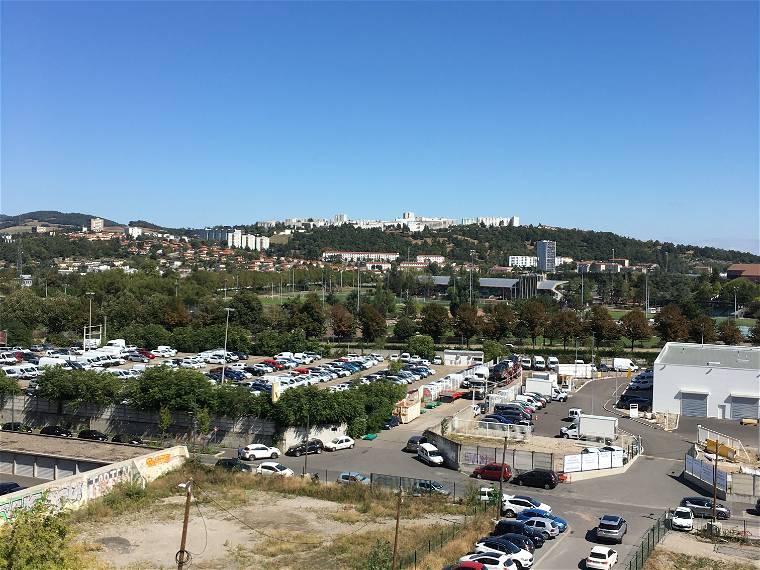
(521,411)
(61,431)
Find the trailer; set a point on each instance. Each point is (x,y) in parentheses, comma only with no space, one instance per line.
(575,370)
(538,385)
(597,427)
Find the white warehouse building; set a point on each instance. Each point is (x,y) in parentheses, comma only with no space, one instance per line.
(707,380)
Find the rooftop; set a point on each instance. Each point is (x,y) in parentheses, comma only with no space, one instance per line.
(72,448)
(710,355)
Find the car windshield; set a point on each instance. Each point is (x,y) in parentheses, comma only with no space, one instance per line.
(280,467)
(683,514)
(599,555)
(609,525)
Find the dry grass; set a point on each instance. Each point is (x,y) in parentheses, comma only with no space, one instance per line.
(460,545)
(666,560)
(346,515)
(297,543)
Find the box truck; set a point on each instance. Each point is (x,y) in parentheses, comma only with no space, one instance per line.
(539,385)
(601,427)
(575,370)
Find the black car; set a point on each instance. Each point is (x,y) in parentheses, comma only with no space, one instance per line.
(16,426)
(703,507)
(234,464)
(30,358)
(507,526)
(391,422)
(92,434)
(537,478)
(126,438)
(312,446)
(56,430)
(6,488)
(240,355)
(644,404)
(414,443)
(520,540)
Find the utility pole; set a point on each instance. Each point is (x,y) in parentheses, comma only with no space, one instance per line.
(395,537)
(583,299)
(472,256)
(715,486)
(226,327)
(90,294)
(501,474)
(183,556)
(306,452)
(358,277)
(646,293)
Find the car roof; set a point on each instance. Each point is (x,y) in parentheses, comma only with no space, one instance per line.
(611,518)
(601,549)
(428,447)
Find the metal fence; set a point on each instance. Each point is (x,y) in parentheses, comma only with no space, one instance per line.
(518,459)
(497,430)
(651,538)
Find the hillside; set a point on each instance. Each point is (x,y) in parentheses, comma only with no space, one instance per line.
(52,217)
(495,245)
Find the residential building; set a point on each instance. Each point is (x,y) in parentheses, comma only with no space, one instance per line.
(238,239)
(523,261)
(96,225)
(492,221)
(354,256)
(26,280)
(413,265)
(749,271)
(134,232)
(429,258)
(707,380)
(547,253)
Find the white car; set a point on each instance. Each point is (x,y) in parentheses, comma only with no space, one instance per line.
(216,359)
(189,363)
(341,442)
(682,519)
(491,560)
(489,546)
(512,505)
(274,468)
(601,558)
(258,451)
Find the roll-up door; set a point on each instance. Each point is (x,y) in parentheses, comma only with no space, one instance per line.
(693,404)
(46,468)
(25,465)
(6,462)
(744,408)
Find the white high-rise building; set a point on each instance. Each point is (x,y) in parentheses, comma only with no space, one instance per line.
(547,255)
(523,261)
(238,239)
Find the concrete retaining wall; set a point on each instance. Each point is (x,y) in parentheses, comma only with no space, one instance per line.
(77,490)
(450,450)
(42,466)
(295,435)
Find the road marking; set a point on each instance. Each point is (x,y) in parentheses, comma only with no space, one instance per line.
(555,542)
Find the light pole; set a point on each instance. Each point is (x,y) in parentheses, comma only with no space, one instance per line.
(90,294)
(472,257)
(226,327)
(358,277)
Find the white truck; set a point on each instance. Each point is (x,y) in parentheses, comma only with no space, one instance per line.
(541,386)
(539,363)
(597,427)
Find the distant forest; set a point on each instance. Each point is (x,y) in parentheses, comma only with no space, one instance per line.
(496,244)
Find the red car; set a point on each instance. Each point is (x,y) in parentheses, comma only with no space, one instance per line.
(274,363)
(469,566)
(146,353)
(493,472)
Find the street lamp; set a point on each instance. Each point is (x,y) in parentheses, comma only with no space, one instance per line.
(226,327)
(472,257)
(90,294)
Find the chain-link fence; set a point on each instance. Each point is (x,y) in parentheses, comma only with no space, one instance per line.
(651,538)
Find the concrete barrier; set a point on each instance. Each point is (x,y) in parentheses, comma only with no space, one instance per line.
(77,490)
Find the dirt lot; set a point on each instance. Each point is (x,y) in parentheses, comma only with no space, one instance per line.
(255,529)
(681,551)
(535,443)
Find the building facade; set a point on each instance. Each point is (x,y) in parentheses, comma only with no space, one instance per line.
(749,271)
(547,254)
(96,225)
(354,256)
(523,261)
(430,258)
(707,380)
(238,239)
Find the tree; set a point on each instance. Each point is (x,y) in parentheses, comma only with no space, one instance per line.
(670,324)
(372,323)
(493,350)
(702,329)
(435,320)
(500,321)
(600,323)
(566,325)
(310,317)
(754,335)
(8,388)
(635,326)
(404,328)
(249,312)
(380,557)
(729,333)
(342,321)
(411,309)
(467,323)
(37,539)
(422,345)
(533,317)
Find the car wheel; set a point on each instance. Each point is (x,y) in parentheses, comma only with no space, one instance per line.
(509,513)
(520,482)
(478,476)
(351,446)
(319,451)
(566,436)
(298,454)
(547,486)
(545,535)
(274,456)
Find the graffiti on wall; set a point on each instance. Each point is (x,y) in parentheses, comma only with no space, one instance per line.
(57,497)
(102,483)
(158,460)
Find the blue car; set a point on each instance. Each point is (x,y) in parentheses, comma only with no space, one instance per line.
(495,418)
(528,513)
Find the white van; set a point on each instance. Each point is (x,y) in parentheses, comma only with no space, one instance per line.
(8,358)
(525,362)
(51,361)
(284,355)
(539,363)
(623,364)
(117,342)
(552,362)
(429,453)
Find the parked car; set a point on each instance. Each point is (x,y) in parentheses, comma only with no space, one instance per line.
(56,430)
(429,453)
(10,487)
(537,478)
(127,438)
(272,468)
(541,513)
(512,505)
(137,357)
(486,561)
(258,451)
(353,477)
(340,442)
(506,526)
(611,527)
(547,527)
(601,558)
(493,472)
(493,544)
(703,507)
(312,446)
(234,464)
(391,422)
(92,434)
(414,442)
(682,519)
(16,426)
(427,487)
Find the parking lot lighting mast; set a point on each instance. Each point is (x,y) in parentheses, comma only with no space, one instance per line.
(226,327)
(472,256)
(358,277)
(90,294)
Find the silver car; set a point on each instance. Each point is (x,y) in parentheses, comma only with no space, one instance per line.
(611,527)
(547,527)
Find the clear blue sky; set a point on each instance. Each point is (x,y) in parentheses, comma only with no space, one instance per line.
(639,117)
